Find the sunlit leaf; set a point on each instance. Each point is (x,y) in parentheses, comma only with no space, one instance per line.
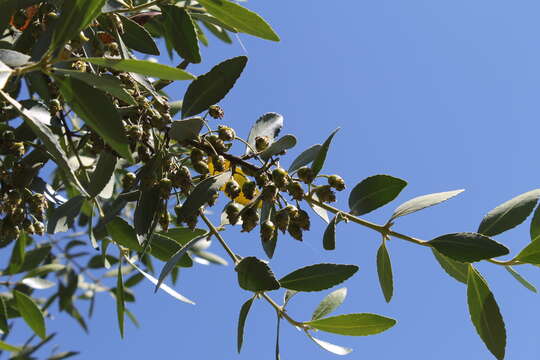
(353,324)
(422,202)
(143,67)
(333,348)
(330,303)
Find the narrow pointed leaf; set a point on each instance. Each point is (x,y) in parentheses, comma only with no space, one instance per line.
(509,214)
(120,305)
(146,211)
(3,316)
(267,213)
(305,158)
(283,144)
(530,254)
(211,87)
(521,279)
(535,225)
(320,158)
(255,275)
(103,173)
(422,202)
(318,277)
(455,269)
(330,303)
(353,324)
(333,348)
(288,296)
(202,193)
(98,111)
(374,192)
(323,214)
(240,18)
(186,129)
(384,270)
(244,311)
(38,283)
(329,236)
(180,32)
(63,216)
(32,259)
(137,37)
(485,314)
(143,67)
(30,312)
(468,247)
(7,347)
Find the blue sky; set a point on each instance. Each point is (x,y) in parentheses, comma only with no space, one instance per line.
(441,94)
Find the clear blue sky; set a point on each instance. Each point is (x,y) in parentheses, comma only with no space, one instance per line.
(443,94)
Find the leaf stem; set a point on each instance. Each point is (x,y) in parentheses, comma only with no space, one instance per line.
(222,241)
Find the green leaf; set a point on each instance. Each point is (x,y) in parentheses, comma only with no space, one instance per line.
(306,157)
(30,312)
(103,82)
(520,278)
(38,283)
(182,235)
(422,202)
(240,18)
(211,87)
(50,141)
(146,211)
(255,275)
(186,129)
(143,67)
(374,192)
(44,269)
(202,193)
(7,347)
(330,303)
(509,214)
(319,160)
(323,214)
(535,225)
(75,15)
(279,146)
(468,247)
(137,37)
(123,234)
(329,236)
(485,314)
(173,261)
(18,252)
(353,324)
(180,32)
(455,269)
(120,305)
(3,316)
(103,174)
(98,111)
(32,259)
(530,254)
(63,355)
(318,277)
(333,348)
(384,270)
(244,311)
(63,216)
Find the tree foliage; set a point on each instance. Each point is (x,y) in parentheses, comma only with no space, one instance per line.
(97,180)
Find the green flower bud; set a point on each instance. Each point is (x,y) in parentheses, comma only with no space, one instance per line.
(196,155)
(302,220)
(280,177)
(165,186)
(261,143)
(226,133)
(233,212)
(268,230)
(201,167)
(216,112)
(232,189)
(248,189)
(295,190)
(336,182)
(306,174)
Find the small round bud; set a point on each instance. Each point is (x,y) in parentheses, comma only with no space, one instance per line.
(164,221)
(181,178)
(201,167)
(306,174)
(196,155)
(336,182)
(262,179)
(280,177)
(216,112)
(295,190)
(226,133)
(219,163)
(268,230)
(261,143)
(248,189)
(54,106)
(233,212)
(129,180)
(39,228)
(216,142)
(232,189)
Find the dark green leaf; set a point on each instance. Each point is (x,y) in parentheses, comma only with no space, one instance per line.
(510,214)
(535,225)
(279,146)
(255,275)
(30,312)
(75,15)
(207,19)
(103,174)
(182,235)
(240,18)
(137,37)
(143,67)
(33,258)
(335,349)
(455,269)
(329,236)
(384,270)
(18,252)
(520,278)
(104,82)
(320,158)
(330,303)
(318,277)
(146,211)
(374,192)
(98,111)
(468,247)
(211,87)
(485,314)
(218,32)
(186,129)
(3,316)
(353,324)
(180,32)
(120,306)
(123,234)
(44,269)
(244,311)
(306,157)
(67,292)
(530,254)
(63,216)
(202,193)
(422,202)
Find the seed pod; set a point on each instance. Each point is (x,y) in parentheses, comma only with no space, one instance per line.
(217,143)
(302,220)
(216,112)
(268,230)
(165,186)
(196,155)
(306,174)
(213,198)
(325,193)
(269,193)
(261,143)
(336,182)
(248,189)
(282,220)
(280,177)
(39,228)
(232,189)
(219,163)
(28,227)
(250,218)
(295,190)
(129,180)
(201,167)
(233,212)
(226,133)
(295,231)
